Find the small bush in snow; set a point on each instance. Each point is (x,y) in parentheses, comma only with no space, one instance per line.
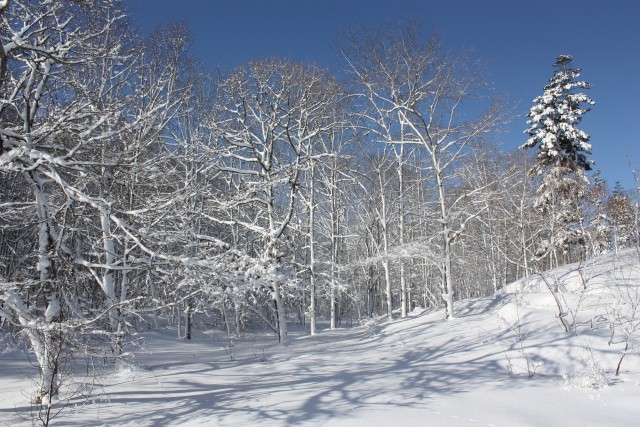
(592,376)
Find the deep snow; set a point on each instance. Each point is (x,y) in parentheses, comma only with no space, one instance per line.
(422,370)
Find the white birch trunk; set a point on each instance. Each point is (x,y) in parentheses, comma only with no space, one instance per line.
(109,281)
(403,281)
(387,278)
(44,345)
(385,242)
(334,243)
(312,255)
(447,283)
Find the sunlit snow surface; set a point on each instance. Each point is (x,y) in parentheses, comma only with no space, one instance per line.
(423,371)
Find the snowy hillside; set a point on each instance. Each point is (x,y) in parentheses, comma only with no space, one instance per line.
(504,361)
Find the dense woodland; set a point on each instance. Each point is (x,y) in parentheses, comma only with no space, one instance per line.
(139,189)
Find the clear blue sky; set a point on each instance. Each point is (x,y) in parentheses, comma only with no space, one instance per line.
(519,41)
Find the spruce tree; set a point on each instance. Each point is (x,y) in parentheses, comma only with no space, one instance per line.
(562,159)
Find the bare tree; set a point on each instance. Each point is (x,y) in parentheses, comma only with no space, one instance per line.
(413,94)
(267,115)
(321,192)
(45,45)
(83,120)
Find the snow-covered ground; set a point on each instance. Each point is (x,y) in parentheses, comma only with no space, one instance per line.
(504,361)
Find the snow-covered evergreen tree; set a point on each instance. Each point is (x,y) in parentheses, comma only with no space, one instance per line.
(554,119)
(562,160)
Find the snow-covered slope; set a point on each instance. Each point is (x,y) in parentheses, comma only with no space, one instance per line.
(504,361)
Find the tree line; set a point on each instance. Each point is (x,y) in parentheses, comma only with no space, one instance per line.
(138,189)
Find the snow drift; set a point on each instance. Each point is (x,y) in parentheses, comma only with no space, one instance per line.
(506,360)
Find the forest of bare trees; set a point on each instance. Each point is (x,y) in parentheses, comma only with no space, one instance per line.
(138,189)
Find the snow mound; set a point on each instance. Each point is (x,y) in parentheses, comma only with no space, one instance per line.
(592,376)
(594,274)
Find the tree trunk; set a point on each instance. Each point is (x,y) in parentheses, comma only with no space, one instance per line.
(447,284)
(46,341)
(282,320)
(179,319)
(388,296)
(312,257)
(109,281)
(334,241)
(188,320)
(403,281)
